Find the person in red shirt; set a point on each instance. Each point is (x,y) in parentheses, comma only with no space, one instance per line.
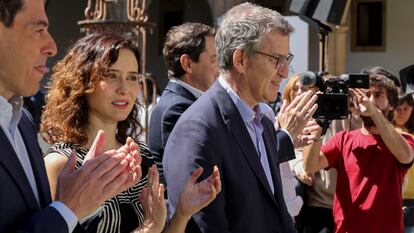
(371,163)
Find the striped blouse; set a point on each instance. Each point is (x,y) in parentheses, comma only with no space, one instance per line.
(124,212)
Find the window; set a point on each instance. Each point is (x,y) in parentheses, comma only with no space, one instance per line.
(368,26)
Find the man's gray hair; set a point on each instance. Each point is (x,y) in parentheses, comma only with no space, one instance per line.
(243,27)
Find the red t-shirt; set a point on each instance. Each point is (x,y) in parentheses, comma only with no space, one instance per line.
(368,194)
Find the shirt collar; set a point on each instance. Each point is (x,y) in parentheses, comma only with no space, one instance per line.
(197,93)
(11,112)
(247,113)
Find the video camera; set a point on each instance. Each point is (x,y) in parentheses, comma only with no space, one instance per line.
(333,101)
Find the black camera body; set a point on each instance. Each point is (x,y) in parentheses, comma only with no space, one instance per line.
(333,101)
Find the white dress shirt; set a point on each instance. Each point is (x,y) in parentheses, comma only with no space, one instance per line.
(197,93)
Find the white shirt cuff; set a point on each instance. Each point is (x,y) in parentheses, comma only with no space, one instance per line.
(67,214)
(92,215)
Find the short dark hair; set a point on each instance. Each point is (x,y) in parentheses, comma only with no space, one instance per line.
(382,71)
(379,80)
(9,10)
(187,38)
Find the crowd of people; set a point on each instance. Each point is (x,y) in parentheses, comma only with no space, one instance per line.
(218,158)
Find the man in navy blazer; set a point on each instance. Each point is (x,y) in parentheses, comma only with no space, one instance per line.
(25,200)
(226,127)
(190,55)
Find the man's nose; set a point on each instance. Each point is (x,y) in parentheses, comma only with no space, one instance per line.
(283,72)
(50,47)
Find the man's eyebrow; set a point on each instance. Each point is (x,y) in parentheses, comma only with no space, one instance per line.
(40,22)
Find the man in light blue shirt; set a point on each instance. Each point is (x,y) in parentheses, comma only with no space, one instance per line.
(226,127)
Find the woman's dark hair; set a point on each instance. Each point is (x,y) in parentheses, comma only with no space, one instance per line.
(408,98)
(65,116)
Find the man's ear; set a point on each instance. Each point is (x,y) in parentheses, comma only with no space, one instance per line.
(186,63)
(239,62)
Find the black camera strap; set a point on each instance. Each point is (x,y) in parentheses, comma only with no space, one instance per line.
(325,125)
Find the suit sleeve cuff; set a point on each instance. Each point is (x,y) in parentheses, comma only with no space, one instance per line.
(290,136)
(67,214)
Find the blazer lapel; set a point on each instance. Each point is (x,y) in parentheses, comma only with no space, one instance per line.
(36,160)
(236,126)
(12,164)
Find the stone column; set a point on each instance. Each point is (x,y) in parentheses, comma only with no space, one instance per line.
(337,50)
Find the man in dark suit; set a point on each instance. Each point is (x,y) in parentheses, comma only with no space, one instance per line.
(25,201)
(190,55)
(226,127)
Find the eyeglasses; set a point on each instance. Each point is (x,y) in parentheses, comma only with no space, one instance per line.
(281,61)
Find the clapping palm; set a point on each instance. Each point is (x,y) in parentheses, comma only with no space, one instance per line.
(196,196)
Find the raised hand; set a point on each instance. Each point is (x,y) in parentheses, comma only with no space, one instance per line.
(363,106)
(196,196)
(294,116)
(308,134)
(152,200)
(134,156)
(101,177)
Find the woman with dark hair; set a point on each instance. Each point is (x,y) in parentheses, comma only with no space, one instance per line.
(403,114)
(93,88)
(404,120)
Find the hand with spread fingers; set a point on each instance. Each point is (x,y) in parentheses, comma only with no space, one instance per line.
(294,117)
(196,196)
(152,199)
(364,106)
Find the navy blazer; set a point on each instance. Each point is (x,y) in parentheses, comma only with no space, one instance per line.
(174,100)
(212,132)
(19,211)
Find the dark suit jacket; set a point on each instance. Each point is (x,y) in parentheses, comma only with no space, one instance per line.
(19,211)
(173,102)
(212,132)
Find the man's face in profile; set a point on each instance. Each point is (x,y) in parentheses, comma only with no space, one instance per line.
(262,75)
(25,47)
(206,69)
(378,96)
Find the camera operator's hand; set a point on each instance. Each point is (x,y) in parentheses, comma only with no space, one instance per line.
(293,117)
(363,105)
